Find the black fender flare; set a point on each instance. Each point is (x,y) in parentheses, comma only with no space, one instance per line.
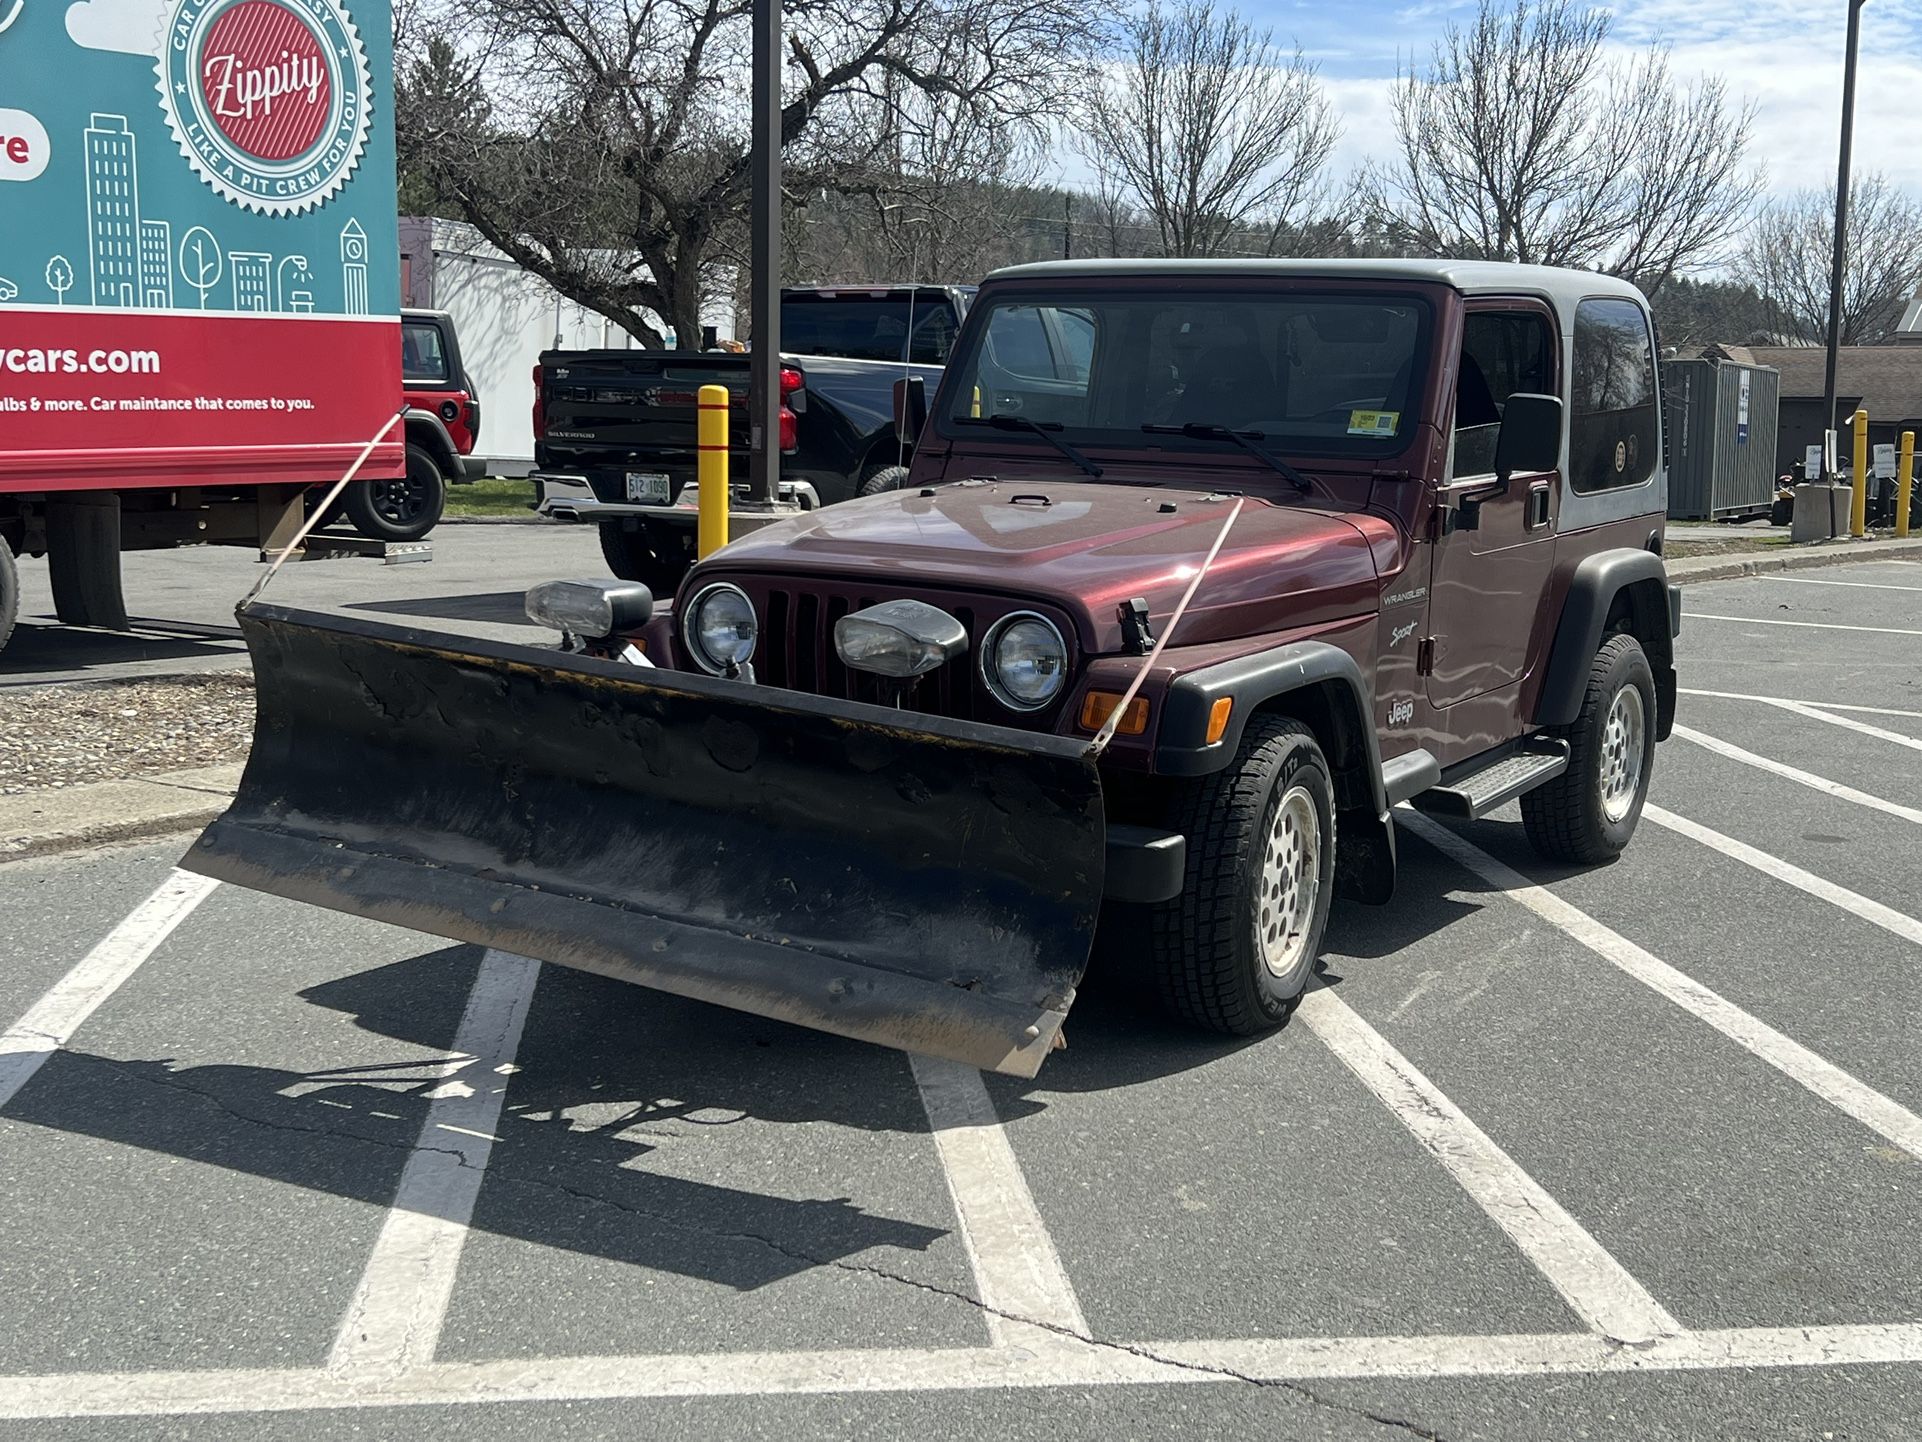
(1592,591)
(427,431)
(1338,696)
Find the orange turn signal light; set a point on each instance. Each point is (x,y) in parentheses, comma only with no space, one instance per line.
(1218,718)
(1098,706)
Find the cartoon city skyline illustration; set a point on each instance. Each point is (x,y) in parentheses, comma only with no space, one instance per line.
(134,263)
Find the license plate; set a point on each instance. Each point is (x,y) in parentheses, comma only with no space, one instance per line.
(647,486)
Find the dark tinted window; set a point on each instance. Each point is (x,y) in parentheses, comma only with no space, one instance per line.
(1502,352)
(856,327)
(1614,412)
(934,326)
(421,356)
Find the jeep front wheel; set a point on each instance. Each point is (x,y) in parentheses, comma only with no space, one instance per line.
(1588,813)
(1234,952)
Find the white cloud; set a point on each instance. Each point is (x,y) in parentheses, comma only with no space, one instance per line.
(132,27)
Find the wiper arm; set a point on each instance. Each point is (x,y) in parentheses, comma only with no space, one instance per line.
(1045,429)
(1245,439)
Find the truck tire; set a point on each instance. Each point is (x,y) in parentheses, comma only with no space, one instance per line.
(399,510)
(641,555)
(1588,813)
(1236,950)
(877,479)
(83,559)
(9,592)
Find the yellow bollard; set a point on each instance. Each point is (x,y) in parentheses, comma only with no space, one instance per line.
(1904,482)
(1859,503)
(712,478)
(975,411)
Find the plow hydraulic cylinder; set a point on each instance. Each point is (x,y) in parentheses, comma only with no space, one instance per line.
(712,477)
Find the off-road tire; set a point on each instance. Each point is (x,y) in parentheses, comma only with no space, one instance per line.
(632,556)
(1207,959)
(399,510)
(876,479)
(1565,818)
(9,592)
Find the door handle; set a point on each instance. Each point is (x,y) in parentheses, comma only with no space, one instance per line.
(1537,506)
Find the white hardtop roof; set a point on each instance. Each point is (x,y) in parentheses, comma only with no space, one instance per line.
(1470,277)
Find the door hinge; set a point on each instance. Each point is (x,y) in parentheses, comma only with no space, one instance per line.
(1425,657)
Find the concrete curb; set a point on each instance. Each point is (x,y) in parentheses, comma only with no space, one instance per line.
(1687,571)
(43,823)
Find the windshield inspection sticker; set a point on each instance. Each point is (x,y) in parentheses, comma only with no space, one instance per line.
(1373,423)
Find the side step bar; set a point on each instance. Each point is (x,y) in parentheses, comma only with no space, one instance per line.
(1472,797)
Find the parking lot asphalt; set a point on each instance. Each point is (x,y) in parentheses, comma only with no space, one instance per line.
(182,601)
(1630,1151)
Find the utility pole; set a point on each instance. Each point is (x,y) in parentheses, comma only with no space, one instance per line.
(1067,225)
(764,260)
(1839,259)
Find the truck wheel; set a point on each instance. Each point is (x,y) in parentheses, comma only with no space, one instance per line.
(1588,813)
(334,512)
(1234,952)
(632,555)
(9,592)
(877,479)
(403,510)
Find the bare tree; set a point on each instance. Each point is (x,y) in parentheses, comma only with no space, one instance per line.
(1522,140)
(1789,255)
(603,144)
(1204,124)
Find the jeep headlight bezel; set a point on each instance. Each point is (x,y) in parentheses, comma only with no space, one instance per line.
(1024,661)
(705,631)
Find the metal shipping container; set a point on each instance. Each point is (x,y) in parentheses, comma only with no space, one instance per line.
(1719,423)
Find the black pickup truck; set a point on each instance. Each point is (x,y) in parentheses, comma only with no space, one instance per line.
(614,429)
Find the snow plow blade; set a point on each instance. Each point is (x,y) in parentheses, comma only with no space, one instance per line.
(909,880)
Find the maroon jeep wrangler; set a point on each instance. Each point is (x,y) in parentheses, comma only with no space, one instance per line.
(1442,584)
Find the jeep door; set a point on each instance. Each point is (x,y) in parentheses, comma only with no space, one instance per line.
(1495,550)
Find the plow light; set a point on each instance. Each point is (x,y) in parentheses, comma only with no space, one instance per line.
(590,609)
(899,639)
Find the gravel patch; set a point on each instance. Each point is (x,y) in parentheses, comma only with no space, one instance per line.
(69,735)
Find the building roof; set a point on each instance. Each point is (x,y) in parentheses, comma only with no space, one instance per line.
(1471,277)
(1886,379)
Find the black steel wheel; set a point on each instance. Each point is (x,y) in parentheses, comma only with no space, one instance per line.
(1236,950)
(399,510)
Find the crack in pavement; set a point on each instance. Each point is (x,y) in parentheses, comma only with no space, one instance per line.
(509,1177)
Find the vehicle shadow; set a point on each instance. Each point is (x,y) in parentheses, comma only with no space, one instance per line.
(498,608)
(40,648)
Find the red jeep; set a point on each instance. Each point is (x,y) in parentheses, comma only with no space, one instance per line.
(1202,567)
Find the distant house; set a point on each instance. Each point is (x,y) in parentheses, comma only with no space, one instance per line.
(1887,379)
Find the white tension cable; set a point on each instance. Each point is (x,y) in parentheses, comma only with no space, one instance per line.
(1106,733)
(321,509)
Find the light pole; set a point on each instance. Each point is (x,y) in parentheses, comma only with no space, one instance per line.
(764,259)
(1840,257)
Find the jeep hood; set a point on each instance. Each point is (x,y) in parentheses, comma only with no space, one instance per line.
(1086,547)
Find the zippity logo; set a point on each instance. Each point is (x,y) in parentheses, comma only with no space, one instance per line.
(268,99)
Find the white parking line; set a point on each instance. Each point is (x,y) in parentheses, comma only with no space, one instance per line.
(1591,1281)
(1016,1268)
(1894,922)
(1796,774)
(54,1018)
(394,1320)
(1857,585)
(1227,1362)
(1790,704)
(1887,1118)
(1811,625)
(1819,711)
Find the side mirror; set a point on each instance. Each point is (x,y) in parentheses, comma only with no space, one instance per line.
(910,408)
(1530,437)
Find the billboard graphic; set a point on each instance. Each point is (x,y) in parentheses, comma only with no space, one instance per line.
(196,218)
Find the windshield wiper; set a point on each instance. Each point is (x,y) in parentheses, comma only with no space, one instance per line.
(1245,439)
(1045,429)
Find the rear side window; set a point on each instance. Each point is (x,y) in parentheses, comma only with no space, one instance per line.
(421,355)
(934,327)
(1614,426)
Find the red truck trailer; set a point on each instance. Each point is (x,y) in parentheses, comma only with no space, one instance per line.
(199,277)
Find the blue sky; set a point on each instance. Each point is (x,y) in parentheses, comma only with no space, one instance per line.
(1784,54)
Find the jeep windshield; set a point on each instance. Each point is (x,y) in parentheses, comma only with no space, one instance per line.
(1308,373)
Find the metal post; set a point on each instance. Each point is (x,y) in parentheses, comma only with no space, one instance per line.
(1840,256)
(1859,502)
(764,259)
(711,475)
(1904,483)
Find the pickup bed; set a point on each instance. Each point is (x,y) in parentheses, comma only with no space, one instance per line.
(614,429)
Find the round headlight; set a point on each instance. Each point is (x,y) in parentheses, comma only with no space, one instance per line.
(1025,661)
(721,629)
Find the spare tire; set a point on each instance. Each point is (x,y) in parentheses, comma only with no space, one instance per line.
(399,510)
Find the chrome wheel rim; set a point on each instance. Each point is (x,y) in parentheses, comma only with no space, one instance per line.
(1624,743)
(1289,884)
